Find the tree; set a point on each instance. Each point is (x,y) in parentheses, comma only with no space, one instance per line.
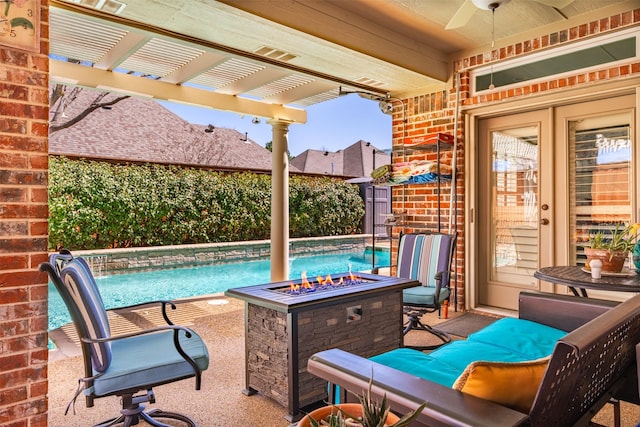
(61,96)
(269,146)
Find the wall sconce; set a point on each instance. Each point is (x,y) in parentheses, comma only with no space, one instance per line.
(255,121)
(245,138)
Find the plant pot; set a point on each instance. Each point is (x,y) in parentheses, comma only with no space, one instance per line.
(610,263)
(354,409)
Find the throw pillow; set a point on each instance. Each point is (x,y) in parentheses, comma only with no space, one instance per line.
(509,384)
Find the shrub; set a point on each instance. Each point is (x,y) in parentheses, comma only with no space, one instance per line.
(96,205)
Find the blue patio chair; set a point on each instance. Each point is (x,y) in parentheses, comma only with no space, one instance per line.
(425,257)
(127,365)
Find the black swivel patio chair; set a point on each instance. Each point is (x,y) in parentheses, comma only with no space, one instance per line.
(425,257)
(127,365)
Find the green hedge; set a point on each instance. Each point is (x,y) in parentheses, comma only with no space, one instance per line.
(101,205)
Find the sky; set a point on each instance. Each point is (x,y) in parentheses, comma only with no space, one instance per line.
(331,125)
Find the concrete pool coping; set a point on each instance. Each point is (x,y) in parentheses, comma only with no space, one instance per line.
(120,260)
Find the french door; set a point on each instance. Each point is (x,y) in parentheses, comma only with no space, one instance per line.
(547,179)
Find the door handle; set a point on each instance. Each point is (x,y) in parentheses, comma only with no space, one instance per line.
(544,221)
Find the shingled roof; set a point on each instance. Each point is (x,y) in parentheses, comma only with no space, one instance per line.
(142,130)
(354,161)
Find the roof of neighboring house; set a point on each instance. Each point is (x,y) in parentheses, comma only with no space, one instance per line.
(138,129)
(357,160)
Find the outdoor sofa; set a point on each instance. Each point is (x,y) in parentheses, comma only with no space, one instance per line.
(591,365)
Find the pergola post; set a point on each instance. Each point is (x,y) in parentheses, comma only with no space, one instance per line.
(279,202)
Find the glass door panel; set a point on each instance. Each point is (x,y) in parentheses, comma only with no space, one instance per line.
(600,158)
(514,208)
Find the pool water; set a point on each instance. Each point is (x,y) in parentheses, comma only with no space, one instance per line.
(126,289)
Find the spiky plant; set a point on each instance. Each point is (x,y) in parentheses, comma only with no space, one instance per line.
(374,414)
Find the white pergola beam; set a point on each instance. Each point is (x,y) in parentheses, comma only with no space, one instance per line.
(81,75)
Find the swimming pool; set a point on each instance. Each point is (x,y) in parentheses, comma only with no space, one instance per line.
(126,289)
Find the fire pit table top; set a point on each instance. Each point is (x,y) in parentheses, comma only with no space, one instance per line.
(277,297)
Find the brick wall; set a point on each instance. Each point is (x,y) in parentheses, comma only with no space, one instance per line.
(23,233)
(435,112)
(430,114)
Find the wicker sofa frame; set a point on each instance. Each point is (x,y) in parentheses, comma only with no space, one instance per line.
(592,365)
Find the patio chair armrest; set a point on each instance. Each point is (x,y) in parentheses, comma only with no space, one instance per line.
(405,392)
(176,328)
(164,304)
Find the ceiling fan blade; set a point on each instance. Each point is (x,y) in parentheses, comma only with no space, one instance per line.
(558,4)
(462,16)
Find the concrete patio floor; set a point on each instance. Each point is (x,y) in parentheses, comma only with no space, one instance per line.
(220,402)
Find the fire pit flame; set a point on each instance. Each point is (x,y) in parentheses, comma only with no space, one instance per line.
(320,284)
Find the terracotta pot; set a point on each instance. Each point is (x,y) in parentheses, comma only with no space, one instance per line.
(354,409)
(610,264)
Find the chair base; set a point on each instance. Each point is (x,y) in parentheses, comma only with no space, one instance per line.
(132,419)
(132,413)
(414,323)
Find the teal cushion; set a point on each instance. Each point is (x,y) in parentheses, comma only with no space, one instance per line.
(423,295)
(529,339)
(460,354)
(505,340)
(419,364)
(149,359)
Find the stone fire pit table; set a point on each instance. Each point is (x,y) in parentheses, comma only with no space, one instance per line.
(283,330)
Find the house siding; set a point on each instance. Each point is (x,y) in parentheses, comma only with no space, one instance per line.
(24,112)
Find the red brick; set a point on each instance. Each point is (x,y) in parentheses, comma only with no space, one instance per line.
(23,143)
(38,389)
(13,194)
(13,395)
(13,262)
(39,161)
(25,409)
(35,260)
(22,311)
(13,362)
(41,129)
(11,295)
(40,357)
(39,228)
(13,92)
(24,177)
(22,245)
(39,195)
(23,211)
(13,160)
(25,343)
(39,292)
(13,328)
(9,125)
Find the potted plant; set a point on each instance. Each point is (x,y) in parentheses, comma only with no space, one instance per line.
(367,413)
(612,248)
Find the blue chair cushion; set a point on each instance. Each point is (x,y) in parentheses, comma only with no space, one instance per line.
(419,364)
(529,339)
(423,295)
(149,359)
(505,340)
